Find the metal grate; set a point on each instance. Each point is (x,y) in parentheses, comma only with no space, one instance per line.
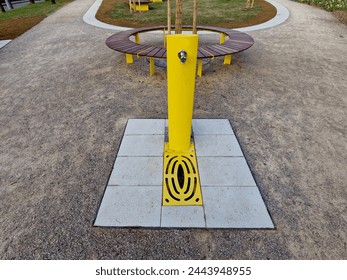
(181,184)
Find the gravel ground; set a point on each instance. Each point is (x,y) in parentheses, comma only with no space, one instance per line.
(65,99)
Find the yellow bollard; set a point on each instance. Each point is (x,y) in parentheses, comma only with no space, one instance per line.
(181,83)
(181,183)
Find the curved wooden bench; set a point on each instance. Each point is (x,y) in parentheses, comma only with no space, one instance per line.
(237,42)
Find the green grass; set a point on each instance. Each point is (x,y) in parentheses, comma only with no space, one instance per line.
(210,12)
(32,10)
(329,5)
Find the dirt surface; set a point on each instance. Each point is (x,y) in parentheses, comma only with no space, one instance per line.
(267,13)
(66,98)
(12,28)
(341,15)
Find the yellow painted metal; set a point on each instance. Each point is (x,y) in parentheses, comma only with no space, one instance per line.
(181,183)
(129,58)
(222,38)
(199,67)
(154,1)
(151,66)
(181,83)
(139,7)
(137,38)
(227,59)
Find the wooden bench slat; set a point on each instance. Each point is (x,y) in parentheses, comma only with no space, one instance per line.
(238,47)
(154,51)
(212,50)
(204,52)
(225,49)
(161,53)
(200,54)
(119,45)
(136,49)
(146,51)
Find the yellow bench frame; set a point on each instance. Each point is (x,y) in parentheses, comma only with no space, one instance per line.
(138,6)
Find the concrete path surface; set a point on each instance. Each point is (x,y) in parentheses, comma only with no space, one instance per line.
(65,99)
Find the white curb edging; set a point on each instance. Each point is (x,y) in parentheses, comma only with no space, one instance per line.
(3,43)
(89,18)
(281,16)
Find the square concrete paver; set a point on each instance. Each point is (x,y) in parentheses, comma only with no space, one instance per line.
(235,207)
(137,171)
(217,146)
(133,196)
(145,127)
(183,217)
(142,145)
(225,171)
(211,126)
(124,206)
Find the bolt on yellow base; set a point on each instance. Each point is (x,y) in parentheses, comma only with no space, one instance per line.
(181,183)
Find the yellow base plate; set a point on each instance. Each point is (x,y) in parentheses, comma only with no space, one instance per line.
(181,183)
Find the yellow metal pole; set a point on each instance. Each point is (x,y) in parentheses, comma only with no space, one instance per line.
(181,83)
(181,182)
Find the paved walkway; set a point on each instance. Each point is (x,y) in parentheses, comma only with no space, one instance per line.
(65,100)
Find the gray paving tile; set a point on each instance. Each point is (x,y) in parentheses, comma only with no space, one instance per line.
(145,126)
(224,171)
(217,146)
(137,171)
(124,206)
(183,217)
(240,207)
(142,145)
(211,126)
(133,196)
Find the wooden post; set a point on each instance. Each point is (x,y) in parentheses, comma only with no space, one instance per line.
(178,20)
(249,4)
(195,11)
(168,17)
